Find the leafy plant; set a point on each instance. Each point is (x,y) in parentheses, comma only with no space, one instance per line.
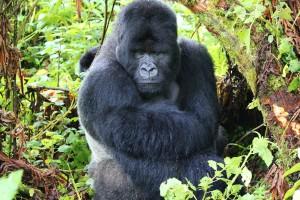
(227,172)
(9,185)
(294,169)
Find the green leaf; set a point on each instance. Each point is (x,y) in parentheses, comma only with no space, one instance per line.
(217,194)
(165,186)
(283,11)
(248,197)
(293,169)
(294,65)
(235,189)
(291,191)
(174,189)
(205,183)
(254,104)
(48,142)
(212,164)
(232,165)
(250,4)
(259,10)
(240,12)
(285,46)
(294,85)
(260,146)
(9,185)
(64,148)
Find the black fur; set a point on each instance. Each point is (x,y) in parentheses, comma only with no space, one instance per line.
(87,59)
(149,139)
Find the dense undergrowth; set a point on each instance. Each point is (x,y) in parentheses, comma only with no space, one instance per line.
(255,46)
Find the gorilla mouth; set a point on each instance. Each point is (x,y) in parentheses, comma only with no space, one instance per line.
(149,87)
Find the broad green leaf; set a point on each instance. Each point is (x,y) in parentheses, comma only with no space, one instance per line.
(259,10)
(174,189)
(248,197)
(294,65)
(294,85)
(232,165)
(260,146)
(9,185)
(250,4)
(285,46)
(217,194)
(64,148)
(205,183)
(283,11)
(212,164)
(48,142)
(240,12)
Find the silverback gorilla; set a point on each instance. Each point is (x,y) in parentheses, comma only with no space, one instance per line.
(148,105)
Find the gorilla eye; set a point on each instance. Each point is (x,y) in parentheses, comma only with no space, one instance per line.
(158,53)
(138,54)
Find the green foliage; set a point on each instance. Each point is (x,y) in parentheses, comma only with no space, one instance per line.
(275,82)
(52,37)
(174,189)
(294,169)
(227,172)
(285,49)
(9,185)
(283,11)
(260,146)
(215,49)
(60,36)
(189,26)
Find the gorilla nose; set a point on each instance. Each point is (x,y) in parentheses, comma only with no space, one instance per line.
(148,71)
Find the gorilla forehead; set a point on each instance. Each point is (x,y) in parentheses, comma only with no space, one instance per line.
(144,18)
(148,9)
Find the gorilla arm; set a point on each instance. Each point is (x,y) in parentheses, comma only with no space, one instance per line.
(198,89)
(112,112)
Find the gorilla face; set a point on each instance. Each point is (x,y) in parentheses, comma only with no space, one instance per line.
(148,50)
(152,68)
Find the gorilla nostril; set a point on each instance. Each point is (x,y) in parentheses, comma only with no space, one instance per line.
(153,72)
(146,68)
(151,69)
(148,71)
